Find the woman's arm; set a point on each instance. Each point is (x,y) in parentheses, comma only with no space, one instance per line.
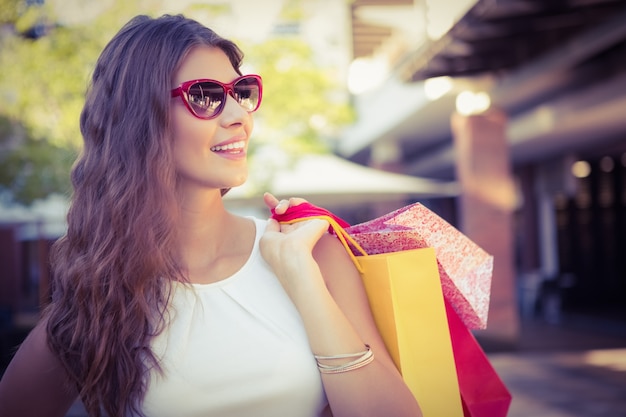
(327,290)
(379,381)
(35,384)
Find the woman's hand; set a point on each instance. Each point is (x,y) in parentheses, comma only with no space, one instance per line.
(282,243)
(281,206)
(288,248)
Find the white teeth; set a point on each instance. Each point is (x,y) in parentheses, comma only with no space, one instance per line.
(235,146)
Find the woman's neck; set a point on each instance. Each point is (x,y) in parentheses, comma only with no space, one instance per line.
(209,235)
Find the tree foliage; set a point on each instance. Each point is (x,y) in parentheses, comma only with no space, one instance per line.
(35,168)
(42,84)
(10,11)
(45,73)
(302,103)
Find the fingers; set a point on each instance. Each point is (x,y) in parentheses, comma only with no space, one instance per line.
(281,206)
(317,227)
(270,201)
(272,226)
(303,235)
(294,201)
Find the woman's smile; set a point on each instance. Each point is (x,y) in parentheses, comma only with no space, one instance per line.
(232,147)
(231,150)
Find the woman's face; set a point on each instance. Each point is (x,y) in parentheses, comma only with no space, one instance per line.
(209,154)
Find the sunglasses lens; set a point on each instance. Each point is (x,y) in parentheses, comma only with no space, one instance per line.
(247,93)
(206,98)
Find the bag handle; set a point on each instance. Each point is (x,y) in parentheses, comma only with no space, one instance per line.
(308,211)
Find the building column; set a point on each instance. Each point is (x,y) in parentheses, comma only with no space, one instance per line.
(485,213)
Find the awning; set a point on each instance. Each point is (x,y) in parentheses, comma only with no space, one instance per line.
(330,181)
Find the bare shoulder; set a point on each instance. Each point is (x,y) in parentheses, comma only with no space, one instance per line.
(35,383)
(334,261)
(343,281)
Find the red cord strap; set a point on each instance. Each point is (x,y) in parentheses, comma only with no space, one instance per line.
(305,210)
(337,226)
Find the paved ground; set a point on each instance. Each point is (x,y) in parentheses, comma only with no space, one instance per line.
(573,384)
(566,370)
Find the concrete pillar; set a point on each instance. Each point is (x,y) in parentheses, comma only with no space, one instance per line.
(486,208)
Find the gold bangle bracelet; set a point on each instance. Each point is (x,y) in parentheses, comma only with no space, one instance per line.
(364,358)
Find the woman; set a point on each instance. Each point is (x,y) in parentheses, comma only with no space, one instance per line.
(165,303)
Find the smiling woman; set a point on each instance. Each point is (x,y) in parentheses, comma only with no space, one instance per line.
(166,304)
(212,123)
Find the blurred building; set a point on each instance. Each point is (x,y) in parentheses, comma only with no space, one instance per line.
(524,102)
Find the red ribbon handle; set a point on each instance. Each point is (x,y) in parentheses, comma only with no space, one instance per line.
(304,210)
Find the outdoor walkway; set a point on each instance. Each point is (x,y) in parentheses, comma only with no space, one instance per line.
(574,369)
(565,384)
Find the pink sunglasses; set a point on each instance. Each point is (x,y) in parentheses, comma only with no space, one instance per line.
(206,98)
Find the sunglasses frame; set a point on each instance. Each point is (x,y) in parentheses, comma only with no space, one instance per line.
(229,89)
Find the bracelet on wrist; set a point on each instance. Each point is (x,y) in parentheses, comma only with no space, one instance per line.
(362,359)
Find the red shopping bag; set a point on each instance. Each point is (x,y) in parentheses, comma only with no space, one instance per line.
(483,393)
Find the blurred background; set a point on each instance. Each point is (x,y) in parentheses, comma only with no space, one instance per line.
(505,117)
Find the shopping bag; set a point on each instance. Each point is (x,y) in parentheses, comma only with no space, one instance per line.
(483,393)
(405,296)
(464,267)
(406,299)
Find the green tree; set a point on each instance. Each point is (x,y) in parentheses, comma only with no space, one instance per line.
(43,80)
(35,168)
(302,111)
(42,86)
(9,11)
(303,104)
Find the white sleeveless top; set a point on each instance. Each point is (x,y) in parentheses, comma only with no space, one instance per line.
(235,348)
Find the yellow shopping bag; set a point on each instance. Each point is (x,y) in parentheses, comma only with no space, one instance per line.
(405,295)
(406,299)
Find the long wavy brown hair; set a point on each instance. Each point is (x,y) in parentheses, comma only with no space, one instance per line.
(112,268)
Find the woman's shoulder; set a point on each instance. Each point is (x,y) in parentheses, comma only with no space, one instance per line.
(24,380)
(333,258)
(246,219)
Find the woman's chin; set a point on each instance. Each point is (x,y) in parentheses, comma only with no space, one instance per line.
(238,181)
